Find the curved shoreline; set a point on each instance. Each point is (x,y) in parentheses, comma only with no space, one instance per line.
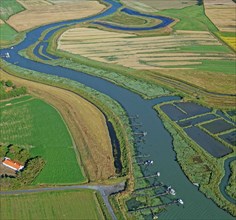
(225,180)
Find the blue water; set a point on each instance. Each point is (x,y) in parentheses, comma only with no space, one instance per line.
(158,142)
(225,180)
(165,21)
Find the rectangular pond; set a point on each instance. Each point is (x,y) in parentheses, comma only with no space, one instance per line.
(229,137)
(218,126)
(211,145)
(197,120)
(192,109)
(173,112)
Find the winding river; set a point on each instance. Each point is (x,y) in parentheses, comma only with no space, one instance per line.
(158,141)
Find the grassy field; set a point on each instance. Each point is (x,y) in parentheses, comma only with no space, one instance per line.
(190,18)
(128,20)
(9,8)
(7,33)
(81,116)
(81,204)
(38,126)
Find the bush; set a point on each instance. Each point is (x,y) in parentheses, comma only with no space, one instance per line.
(9,83)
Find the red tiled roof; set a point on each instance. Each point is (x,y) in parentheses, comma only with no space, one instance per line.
(12,164)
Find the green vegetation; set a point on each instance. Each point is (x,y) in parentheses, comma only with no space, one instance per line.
(220,66)
(205,49)
(128,20)
(230,189)
(16,153)
(38,126)
(197,164)
(9,8)
(32,167)
(7,33)
(15,100)
(80,204)
(115,113)
(191,18)
(9,90)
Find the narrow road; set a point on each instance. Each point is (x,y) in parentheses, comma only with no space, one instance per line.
(105,191)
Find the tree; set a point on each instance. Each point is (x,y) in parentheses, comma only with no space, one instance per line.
(9,83)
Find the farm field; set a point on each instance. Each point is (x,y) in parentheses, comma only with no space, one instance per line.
(37,126)
(148,52)
(9,8)
(153,5)
(86,123)
(81,204)
(222,14)
(229,38)
(7,33)
(189,56)
(43,12)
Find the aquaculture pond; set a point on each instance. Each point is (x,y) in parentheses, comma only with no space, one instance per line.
(158,142)
(196,120)
(210,144)
(218,126)
(229,137)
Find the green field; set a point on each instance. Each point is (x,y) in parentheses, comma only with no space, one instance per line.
(7,33)
(191,18)
(9,8)
(38,126)
(81,204)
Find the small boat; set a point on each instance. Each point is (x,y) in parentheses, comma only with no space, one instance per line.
(171,191)
(180,201)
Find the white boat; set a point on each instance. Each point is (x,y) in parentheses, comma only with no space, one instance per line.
(180,201)
(171,191)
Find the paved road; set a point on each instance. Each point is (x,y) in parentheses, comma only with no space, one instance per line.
(104,190)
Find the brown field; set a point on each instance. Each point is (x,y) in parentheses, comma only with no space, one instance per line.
(86,124)
(2,22)
(222,13)
(147,53)
(154,5)
(214,82)
(41,12)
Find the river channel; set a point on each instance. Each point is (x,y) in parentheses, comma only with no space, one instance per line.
(158,142)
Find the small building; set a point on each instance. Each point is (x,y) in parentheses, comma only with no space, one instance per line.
(12,164)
